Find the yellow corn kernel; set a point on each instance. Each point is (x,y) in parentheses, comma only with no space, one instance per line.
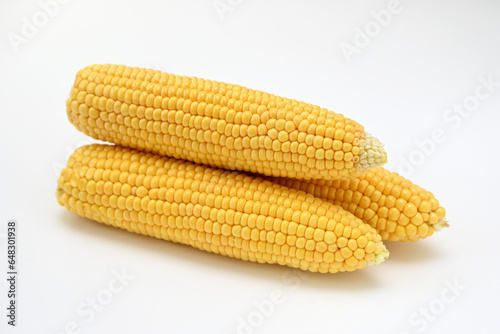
(215,210)
(397,208)
(218,124)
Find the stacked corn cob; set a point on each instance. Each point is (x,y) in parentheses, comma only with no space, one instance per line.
(312,198)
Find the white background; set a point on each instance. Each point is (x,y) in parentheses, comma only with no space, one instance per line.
(429,58)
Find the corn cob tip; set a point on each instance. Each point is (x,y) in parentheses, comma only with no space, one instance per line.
(443,223)
(380,256)
(373,153)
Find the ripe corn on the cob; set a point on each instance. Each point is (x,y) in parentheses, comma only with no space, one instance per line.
(224,212)
(397,208)
(219,124)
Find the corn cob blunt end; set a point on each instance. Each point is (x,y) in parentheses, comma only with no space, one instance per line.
(372,152)
(381,256)
(441,224)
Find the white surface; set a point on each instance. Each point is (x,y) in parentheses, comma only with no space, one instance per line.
(428,58)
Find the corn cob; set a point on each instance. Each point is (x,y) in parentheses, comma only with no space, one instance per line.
(397,208)
(224,212)
(218,124)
